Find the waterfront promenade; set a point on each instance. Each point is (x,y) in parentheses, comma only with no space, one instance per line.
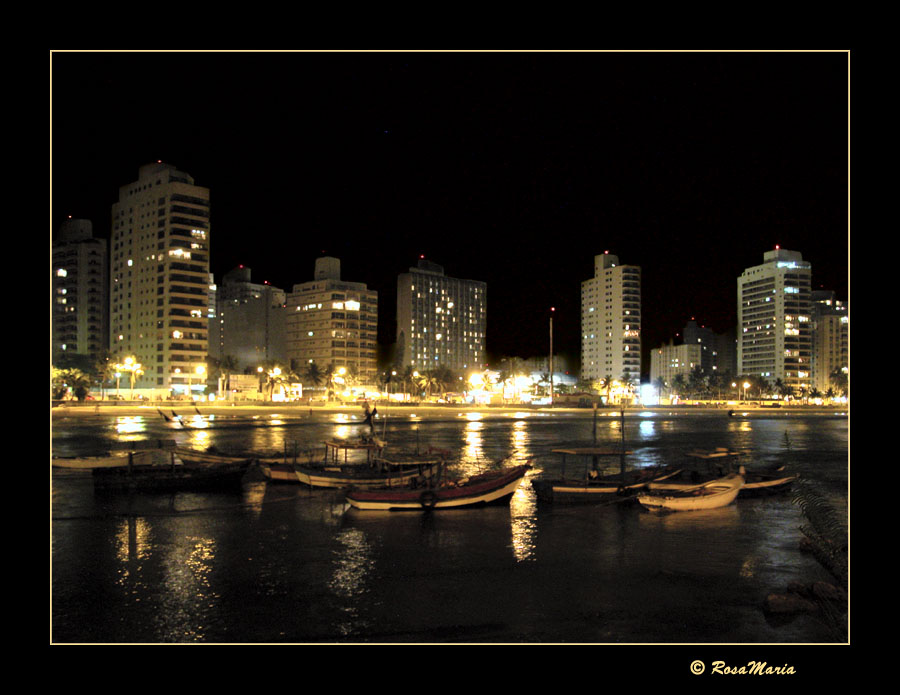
(422,410)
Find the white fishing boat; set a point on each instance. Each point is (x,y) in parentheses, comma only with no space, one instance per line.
(710,495)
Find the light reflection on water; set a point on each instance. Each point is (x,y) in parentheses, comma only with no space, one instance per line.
(194,568)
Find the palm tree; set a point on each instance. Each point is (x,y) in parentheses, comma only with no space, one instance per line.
(407,379)
(222,369)
(628,382)
(678,384)
(104,369)
(312,375)
(660,385)
(428,381)
(838,379)
(605,383)
(697,382)
(74,379)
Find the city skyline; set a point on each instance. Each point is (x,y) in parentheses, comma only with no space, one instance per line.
(514,169)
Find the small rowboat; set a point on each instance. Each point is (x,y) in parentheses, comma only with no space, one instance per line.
(488,488)
(769,482)
(711,495)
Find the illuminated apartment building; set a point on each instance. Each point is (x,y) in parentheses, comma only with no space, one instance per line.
(831,339)
(441,321)
(332,322)
(774,328)
(80,307)
(159,279)
(611,321)
(670,361)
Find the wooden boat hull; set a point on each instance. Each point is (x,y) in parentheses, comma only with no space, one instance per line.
(712,495)
(760,485)
(364,476)
(277,471)
(174,476)
(192,457)
(597,490)
(482,490)
(88,463)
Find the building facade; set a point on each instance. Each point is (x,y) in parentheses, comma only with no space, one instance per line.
(441,321)
(611,321)
(831,339)
(333,323)
(774,320)
(717,351)
(669,361)
(159,279)
(80,326)
(249,321)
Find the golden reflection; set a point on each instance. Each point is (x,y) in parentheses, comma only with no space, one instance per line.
(473,450)
(740,426)
(130,424)
(353,564)
(187,593)
(342,431)
(523,507)
(473,416)
(519,439)
(133,540)
(199,440)
(199,422)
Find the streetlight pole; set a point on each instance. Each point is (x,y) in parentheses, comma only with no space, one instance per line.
(552,309)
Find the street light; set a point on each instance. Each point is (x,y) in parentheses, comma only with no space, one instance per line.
(746,386)
(130,364)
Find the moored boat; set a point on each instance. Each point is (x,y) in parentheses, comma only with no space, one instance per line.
(768,482)
(711,495)
(718,465)
(372,446)
(488,488)
(381,473)
(141,451)
(88,463)
(594,487)
(165,471)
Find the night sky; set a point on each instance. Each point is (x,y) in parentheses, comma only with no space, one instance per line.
(510,168)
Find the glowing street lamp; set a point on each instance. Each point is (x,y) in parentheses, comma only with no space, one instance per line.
(746,386)
(130,364)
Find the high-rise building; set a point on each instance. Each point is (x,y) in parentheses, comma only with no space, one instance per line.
(159,279)
(249,321)
(333,322)
(670,361)
(774,327)
(80,309)
(441,321)
(717,351)
(611,321)
(831,339)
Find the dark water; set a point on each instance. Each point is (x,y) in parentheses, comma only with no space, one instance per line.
(281,563)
